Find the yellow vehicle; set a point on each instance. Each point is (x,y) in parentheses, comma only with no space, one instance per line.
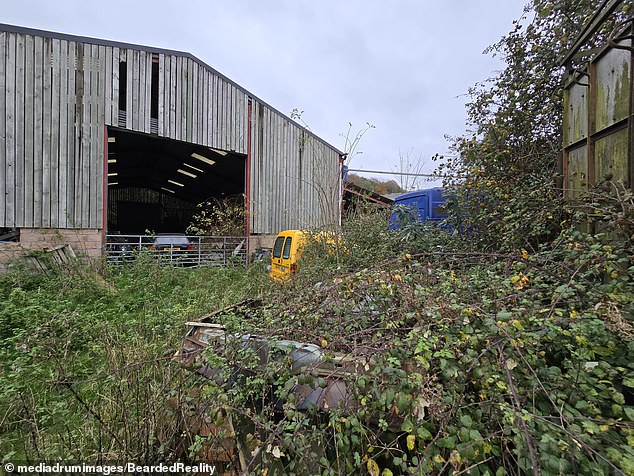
(289,246)
(286,251)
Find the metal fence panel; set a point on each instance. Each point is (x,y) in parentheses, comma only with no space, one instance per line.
(178,250)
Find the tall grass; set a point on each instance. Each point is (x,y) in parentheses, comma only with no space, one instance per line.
(85,357)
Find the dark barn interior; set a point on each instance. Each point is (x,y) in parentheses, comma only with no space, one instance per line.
(155,183)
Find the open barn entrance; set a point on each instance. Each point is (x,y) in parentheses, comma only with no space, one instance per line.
(154,184)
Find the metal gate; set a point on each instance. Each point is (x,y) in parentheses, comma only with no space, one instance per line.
(177,249)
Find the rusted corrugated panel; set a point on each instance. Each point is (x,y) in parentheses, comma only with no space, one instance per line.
(610,157)
(575,113)
(612,88)
(327,391)
(577,176)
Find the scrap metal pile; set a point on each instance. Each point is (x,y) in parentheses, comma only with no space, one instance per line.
(320,381)
(327,390)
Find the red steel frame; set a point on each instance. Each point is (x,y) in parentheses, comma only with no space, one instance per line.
(104,224)
(247,184)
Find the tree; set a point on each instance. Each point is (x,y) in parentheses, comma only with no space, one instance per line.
(375,185)
(503,175)
(410,171)
(219,216)
(352,139)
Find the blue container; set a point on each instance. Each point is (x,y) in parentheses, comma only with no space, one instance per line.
(418,206)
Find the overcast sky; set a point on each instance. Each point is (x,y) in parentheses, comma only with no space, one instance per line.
(403,66)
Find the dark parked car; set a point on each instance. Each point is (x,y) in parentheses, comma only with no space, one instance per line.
(119,249)
(172,245)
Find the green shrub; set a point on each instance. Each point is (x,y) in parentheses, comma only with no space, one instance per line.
(484,362)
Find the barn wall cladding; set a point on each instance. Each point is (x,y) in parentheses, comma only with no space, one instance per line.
(59,93)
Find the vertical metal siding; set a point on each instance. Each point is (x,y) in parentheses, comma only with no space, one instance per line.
(3,134)
(56,95)
(294,176)
(576,114)
(577,176)
(613,88)
(610,154)
(9,170)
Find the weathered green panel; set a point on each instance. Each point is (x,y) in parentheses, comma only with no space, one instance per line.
(613,88)
(577,179)
(576,113)
(611,157)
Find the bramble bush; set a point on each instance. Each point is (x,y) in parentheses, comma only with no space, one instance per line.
(470,362)
(220,217)
(505,362)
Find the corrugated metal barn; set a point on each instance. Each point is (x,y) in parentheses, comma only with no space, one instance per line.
(86,124)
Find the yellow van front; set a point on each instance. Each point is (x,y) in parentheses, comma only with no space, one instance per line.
(286,251)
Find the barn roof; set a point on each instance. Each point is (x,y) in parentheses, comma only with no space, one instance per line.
(151,49)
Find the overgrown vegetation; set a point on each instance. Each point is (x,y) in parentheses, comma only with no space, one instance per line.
(499,343)
(504,175)
(85,358)
(375,185)
(219,217)
(470,362)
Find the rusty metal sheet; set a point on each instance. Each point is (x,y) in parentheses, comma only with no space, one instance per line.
(612,98)
(577,177)
(575,113)
(325,386)
(611,157)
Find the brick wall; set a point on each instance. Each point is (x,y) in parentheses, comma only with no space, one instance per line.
(85,242)
(8,252)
